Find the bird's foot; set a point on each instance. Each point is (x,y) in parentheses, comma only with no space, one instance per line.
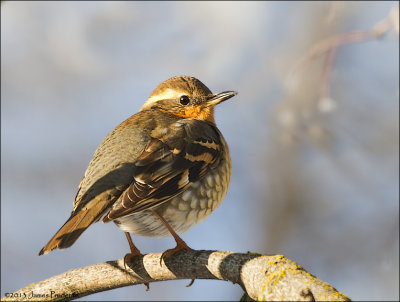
(181,246)
(129,258)
(134,250)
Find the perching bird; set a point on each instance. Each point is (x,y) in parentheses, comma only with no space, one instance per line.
(160,172)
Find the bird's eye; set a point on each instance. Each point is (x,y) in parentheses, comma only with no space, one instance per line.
(184,100)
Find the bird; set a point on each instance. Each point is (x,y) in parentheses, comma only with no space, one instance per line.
(158,173)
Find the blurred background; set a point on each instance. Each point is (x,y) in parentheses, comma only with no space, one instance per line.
(315,170)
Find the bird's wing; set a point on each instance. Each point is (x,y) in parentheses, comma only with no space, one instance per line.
(175,157)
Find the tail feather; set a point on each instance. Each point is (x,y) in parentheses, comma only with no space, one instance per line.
(71,230)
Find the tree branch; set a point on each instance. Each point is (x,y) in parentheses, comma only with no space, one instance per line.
(262,277)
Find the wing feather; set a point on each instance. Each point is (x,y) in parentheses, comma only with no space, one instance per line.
(168,165)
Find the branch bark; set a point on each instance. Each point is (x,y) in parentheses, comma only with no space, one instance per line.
(263,277)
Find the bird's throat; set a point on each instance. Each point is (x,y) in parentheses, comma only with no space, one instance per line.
(198,113)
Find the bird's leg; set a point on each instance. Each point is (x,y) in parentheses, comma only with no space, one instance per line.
(134,252)
(180,244)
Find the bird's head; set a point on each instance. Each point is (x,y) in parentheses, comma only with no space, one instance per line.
(186,97)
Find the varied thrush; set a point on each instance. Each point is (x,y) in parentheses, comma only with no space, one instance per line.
(160,172)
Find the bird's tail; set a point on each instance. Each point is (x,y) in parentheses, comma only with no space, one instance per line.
(73,228)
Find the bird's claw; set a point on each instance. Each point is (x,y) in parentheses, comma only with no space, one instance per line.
(129,258)
(182,246)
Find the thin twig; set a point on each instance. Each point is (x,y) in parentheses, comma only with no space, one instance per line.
(329,47)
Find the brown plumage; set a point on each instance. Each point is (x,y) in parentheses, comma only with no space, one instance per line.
(159,172)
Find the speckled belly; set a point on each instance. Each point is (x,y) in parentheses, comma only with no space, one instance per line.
(186,209)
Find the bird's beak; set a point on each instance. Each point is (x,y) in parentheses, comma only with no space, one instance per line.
(220,97)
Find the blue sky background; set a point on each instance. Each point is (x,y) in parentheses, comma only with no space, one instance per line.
(314,180)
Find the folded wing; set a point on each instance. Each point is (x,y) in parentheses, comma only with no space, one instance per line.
(173,159)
